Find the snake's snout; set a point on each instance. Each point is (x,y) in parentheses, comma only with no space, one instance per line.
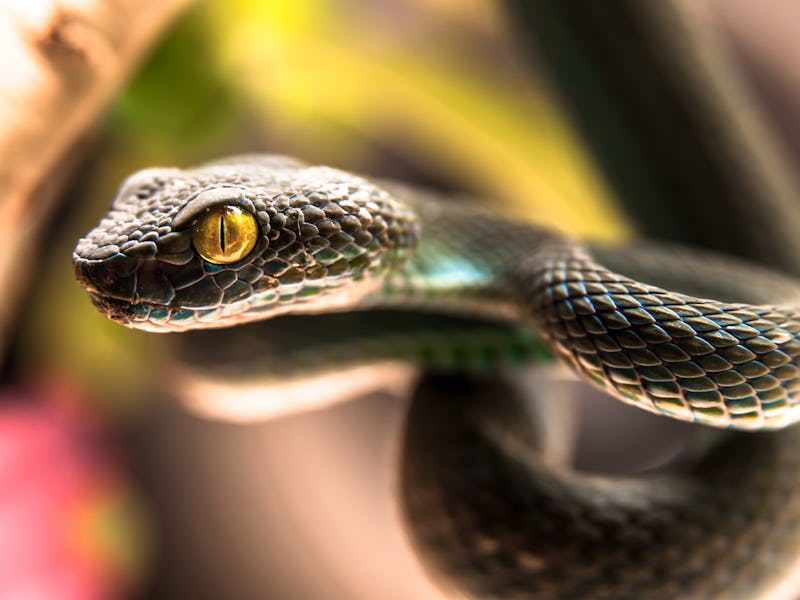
(110,283)
(110,278)
(115,287)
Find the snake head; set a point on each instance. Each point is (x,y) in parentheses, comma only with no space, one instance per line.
(240,240)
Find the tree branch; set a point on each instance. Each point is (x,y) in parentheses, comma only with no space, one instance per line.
(62,63)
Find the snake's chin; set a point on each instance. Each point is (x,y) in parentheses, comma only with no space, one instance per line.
(117,310)
(134,315)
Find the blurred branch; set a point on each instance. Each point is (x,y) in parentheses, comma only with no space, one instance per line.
(667,113)
(63,62)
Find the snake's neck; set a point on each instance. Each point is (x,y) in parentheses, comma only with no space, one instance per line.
(439,280)
(455,270)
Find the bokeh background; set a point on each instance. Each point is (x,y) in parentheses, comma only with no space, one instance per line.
(110,486)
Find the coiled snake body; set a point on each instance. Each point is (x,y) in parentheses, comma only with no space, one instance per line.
(250,238)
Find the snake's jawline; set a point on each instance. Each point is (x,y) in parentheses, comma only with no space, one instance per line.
(334,299)
(123,312)
(120,311)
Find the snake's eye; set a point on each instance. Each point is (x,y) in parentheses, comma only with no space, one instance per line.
(224,234)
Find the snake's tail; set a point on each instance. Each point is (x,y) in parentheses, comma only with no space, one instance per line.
(717,363)
(485,509)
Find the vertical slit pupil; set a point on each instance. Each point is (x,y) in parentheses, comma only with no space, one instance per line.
(222,233)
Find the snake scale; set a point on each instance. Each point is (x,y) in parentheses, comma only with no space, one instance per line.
(251,238)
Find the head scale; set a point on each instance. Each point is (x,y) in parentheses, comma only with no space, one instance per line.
(319,235)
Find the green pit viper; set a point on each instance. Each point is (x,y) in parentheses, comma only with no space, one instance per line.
(250,238)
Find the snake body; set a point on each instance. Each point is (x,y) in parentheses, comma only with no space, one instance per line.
(486,507)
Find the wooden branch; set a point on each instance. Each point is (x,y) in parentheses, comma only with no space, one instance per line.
(62,62)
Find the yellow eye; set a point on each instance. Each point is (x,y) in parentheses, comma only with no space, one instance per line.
(224,234)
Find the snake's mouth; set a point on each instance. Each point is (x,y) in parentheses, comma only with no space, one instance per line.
(124,312)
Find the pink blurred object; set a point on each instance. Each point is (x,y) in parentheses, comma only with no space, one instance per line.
(59,484)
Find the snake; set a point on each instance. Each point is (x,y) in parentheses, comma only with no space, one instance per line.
(699,338)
